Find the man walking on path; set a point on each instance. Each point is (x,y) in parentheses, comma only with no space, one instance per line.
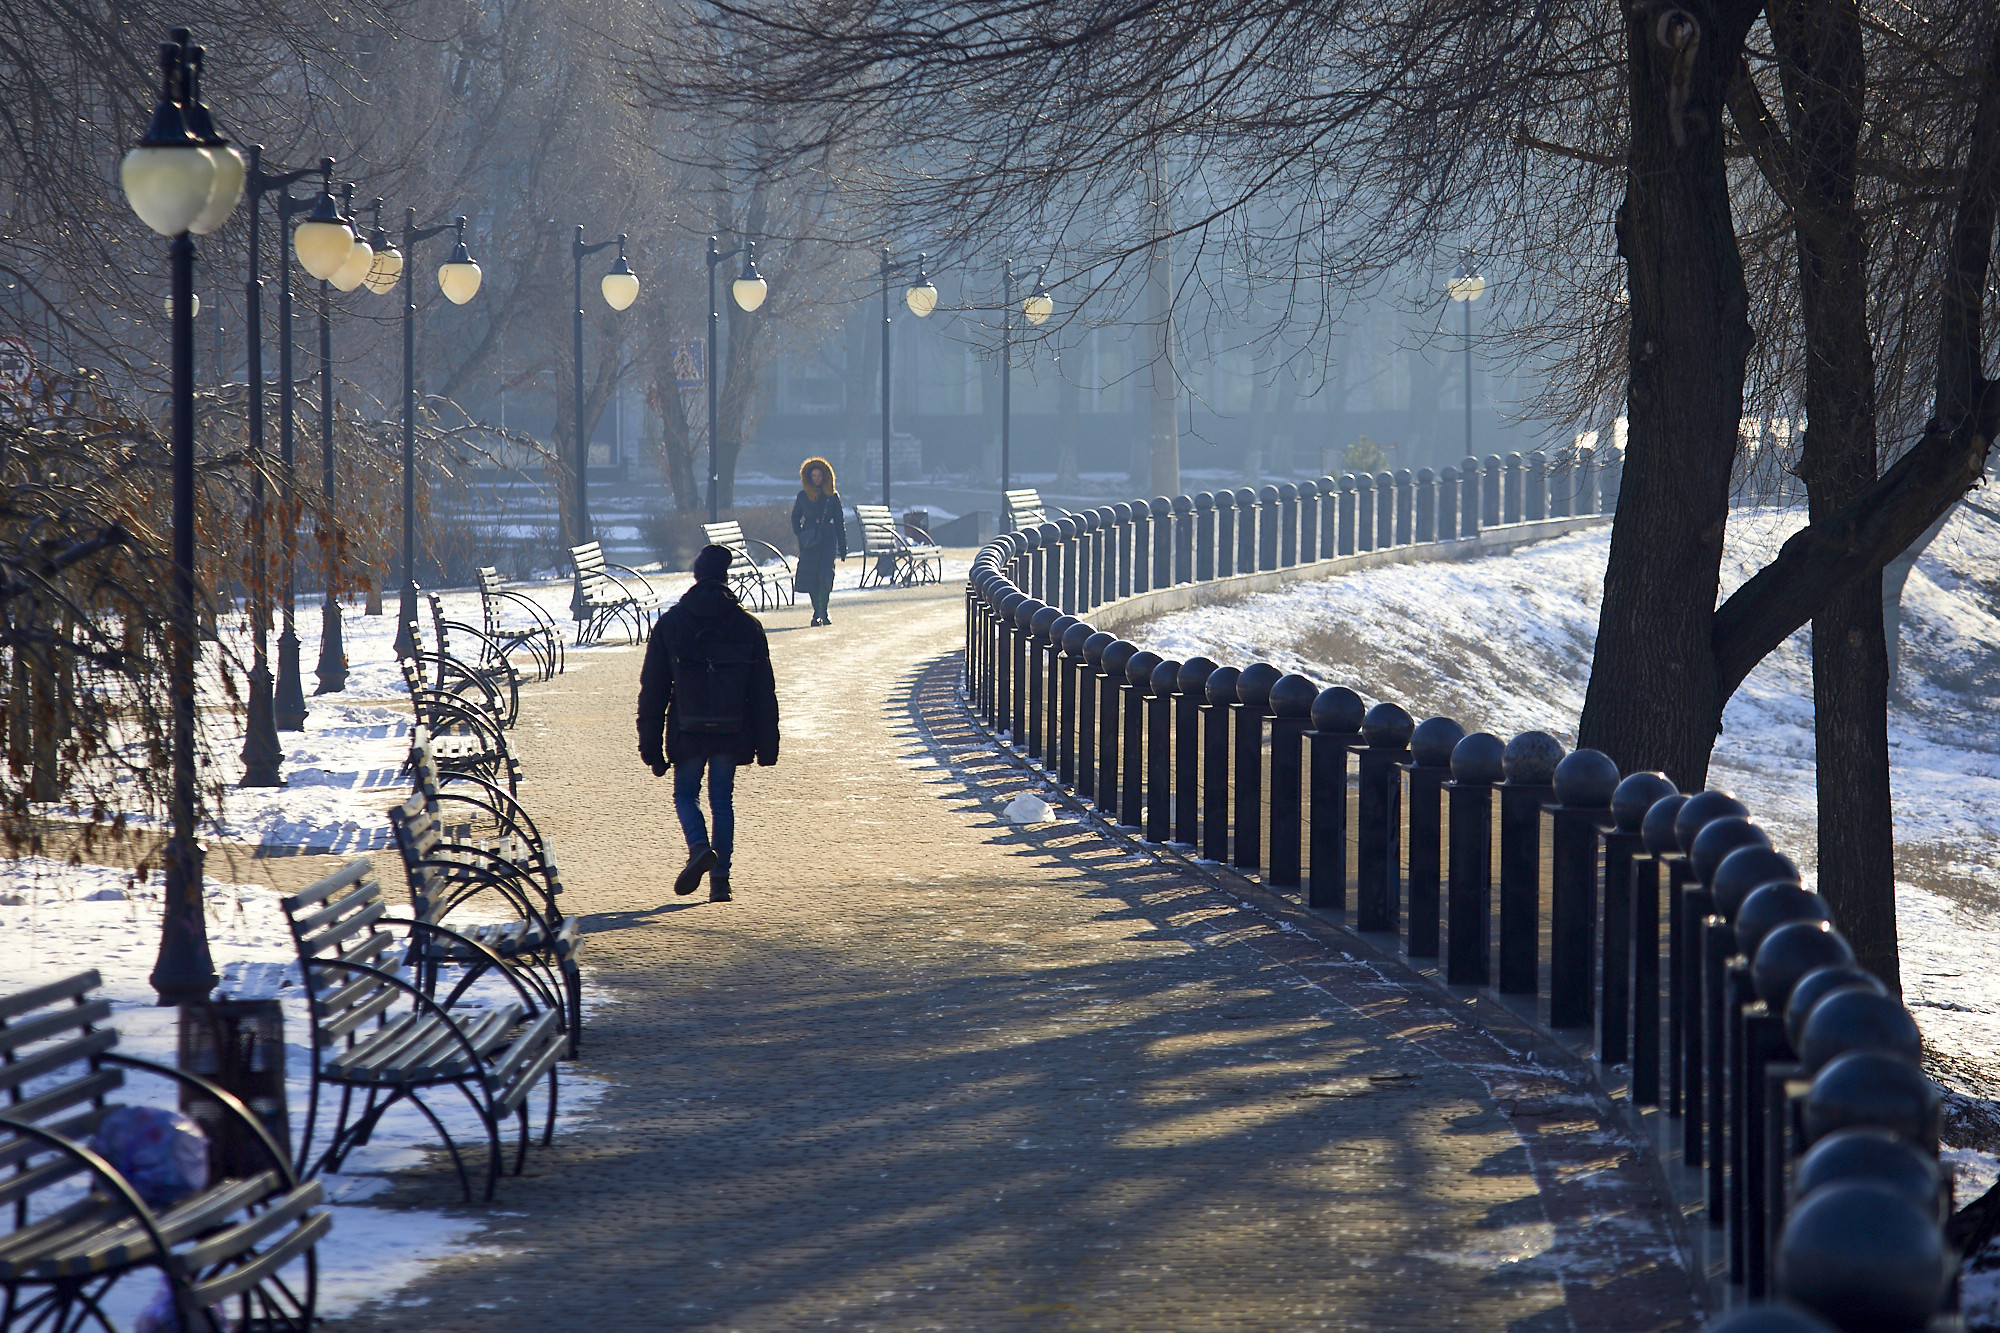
(708,691)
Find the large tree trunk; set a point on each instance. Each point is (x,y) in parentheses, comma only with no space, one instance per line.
(1654,700)
(1822,64)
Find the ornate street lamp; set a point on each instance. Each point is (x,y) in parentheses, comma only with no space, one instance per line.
(620,288)
(1467,286)
(1036,307)
(748,291)
(182,184)
(921,297)
(332,668)
(261,753)
(458,277)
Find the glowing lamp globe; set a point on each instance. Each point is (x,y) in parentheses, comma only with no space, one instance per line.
(921,298)
(225,193)
(323,244)
(354,270)
(1038,307)
(620,287)
(385,271)
(168,186)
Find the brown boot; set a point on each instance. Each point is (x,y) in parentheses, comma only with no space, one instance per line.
(718,886)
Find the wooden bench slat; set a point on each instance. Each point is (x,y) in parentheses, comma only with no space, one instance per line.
(55,1057)
(54,992)
(62,1020)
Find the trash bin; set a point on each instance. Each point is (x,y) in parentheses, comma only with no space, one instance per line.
(240,1046)
(917,519)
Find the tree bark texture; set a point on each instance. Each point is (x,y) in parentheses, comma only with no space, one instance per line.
(1822,67)
(1654,698)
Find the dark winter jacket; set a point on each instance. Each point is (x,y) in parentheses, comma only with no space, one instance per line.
(705,607)
(819,523)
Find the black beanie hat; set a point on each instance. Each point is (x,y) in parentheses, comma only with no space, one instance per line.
(712,563)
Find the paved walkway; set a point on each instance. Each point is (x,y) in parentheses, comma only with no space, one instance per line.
(931,1071)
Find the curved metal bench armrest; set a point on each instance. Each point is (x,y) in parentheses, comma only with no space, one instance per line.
(755,559)
(515,819)
(461,669)
(498,963)
(483,639)
(99,1167)
(503,875)
(644,582)
(536,611)
(417,997)
(222,1097)
(487,726)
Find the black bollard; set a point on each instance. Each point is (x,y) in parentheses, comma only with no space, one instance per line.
(1530,763)
(1132,699)
(1052,566)
(1536,505)
(1468,497)
(1364,512)
(1071,641)
(1427,505)
(1291,702)
(1110,691)
(1656,831)
(1431,746)
(1023,673)
(1632,971)
(1377,876)
(1385,509)
(1253,700)
(1269,516)
(1588,498)
(1225,534)
(1288,525)
(1584,782)
(1069,527)
(1510,494)
(1031,563)
(1344,515)
(1087,694)
(1141,550)
(1040,626)
(1447,505)
(1183,539)
(1329,519)
(1406,495)
(1490,498)
(1004,677)
(1476,768)
(1204,537)
(1220,692)
(1160,792)
(1188,697)
(1337,714)
(1163,542)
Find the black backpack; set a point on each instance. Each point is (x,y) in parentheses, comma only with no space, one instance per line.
(712,685)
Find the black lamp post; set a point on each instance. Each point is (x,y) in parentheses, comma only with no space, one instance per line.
(261,753)
(353,269)
(1037,306)
(182,184)
(921,297)
(459,278)
(1466,287)
(620,287)
(748,290)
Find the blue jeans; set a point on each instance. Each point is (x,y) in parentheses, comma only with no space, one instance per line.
(721,800)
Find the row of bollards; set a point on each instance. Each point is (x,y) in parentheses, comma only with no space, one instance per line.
(1666,924)
(1079,562)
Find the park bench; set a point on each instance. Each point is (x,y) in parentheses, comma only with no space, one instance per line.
(512,865)
(540,638)
(895,553)
(1023,508)
(378,1038)
(221,1248)
(490,673)
(464,735)
(752,577)
(611,594)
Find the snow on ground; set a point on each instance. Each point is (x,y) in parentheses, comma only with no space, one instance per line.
(1503,645)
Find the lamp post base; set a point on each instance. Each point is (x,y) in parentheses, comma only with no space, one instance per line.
(374,606)
(332,669)
(406,622)
(289,703)
(261,755)
(184,972)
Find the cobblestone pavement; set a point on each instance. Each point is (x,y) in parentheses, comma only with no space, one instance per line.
(933,1071)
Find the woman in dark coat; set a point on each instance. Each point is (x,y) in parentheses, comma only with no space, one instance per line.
(821,528)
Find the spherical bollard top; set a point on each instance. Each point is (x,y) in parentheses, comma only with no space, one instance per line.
(1788,953)
(1327,485)
(1768,1319)
(1862,1256)
(1531,759)
(1024,612)
(1700,809)
(1091,520)
(1345,484)
(1819,983)
(1450,476)
(1225,499)
(1122,512)
(1338,709)
(1116,656)
(1746,870)
(1402,476)
(1513,460)
(1717,839)
(1245,498)
(1193,675)
(1388,727)
(1433,741)
(1586,779)
(1870,1088)
(1220,687)
(1050,534)
(1067,526)
(1858,1020)
(1166,678)
(1183,504)
(1292,696)
(1425,476)
(1061,626)
(1073,638)
(1480,757)
(1011,603)
(1160,506)
(1028,538)
(1139,670)
(1771,906)
(1094,646)
(1286,491)
(1862,1153)
(1657,829)
(1043,622)
(1633,797)
(1205,501)
(1253,684)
